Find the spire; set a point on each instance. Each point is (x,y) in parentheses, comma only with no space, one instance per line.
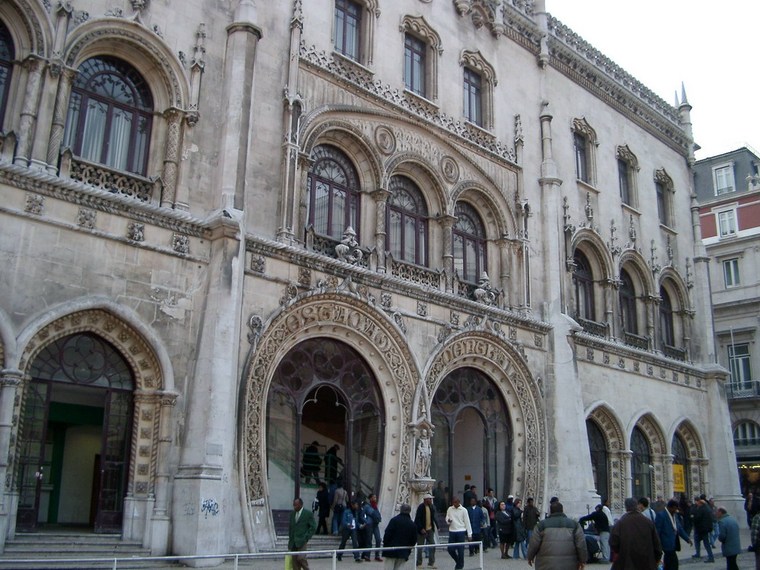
(684,100)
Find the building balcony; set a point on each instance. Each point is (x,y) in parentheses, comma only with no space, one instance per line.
(636,341)
(743,390)
(593,327)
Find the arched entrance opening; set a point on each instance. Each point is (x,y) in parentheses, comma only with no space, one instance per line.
(641,464)
(75,435)
(681,467)
(323,395)
(597,444)
(473,438)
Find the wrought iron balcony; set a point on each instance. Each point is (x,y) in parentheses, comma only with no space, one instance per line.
(114,181)
(742,390)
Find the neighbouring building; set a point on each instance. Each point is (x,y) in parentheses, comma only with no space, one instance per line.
(450,238)
(728,190)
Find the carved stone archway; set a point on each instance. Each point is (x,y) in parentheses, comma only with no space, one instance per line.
(658,447)
(616,465)
(375,337)
(511,375)
(694,453)
(149,399)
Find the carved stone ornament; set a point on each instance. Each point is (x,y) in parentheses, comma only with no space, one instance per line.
(136,231)
(348,249)
(181,243)
(86,218)
(35,204)
(258,263)
(385,139)
(450,169)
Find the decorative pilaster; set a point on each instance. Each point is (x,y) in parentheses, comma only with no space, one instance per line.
(28,121)
(10,386)
(626,456)
(160,516)
(381,203)
(65,82)
(171,157)
(447,227)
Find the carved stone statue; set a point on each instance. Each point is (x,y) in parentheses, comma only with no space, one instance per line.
(348,248)
(422,459)
(484,293)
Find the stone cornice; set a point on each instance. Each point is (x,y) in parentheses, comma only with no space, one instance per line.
(584,64)
(387,283)
(75,192)
(635,355)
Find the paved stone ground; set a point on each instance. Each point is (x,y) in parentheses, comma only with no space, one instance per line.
(491,561)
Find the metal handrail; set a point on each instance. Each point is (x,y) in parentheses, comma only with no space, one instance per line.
(236,558)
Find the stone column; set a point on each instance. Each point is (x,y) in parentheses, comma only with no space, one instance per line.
(10,381)
(28,121)
(160,518)
(381,204)
(667,470)
(447,225)
(55,141)
(171,157)
(651,308)
(627,481)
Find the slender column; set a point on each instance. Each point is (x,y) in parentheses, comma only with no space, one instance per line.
(55,141)
(447,225)
(10,380)
(627,479)
(381,204)
(667,470)
(651,307)
(506,255)
(171,157)
(28,121)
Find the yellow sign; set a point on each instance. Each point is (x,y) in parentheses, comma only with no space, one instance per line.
(679,481)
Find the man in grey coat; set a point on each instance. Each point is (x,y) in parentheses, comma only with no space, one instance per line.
(557,543)
(728,534)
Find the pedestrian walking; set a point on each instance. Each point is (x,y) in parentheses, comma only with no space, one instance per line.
(728,534)
(301,528)
(400,532)
(460,531)
(634,541)
(557,543)
(670,531)
(425,521)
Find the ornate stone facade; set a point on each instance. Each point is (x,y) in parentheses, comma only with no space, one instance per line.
(266,217)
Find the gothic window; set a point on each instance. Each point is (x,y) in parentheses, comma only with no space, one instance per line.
(348,20)
(599,458)
(7,54)
(473,101)
(333,201)
(641,464)
(479,81)
(469,243)
(583,281)
(663,185)
(627,168)
(680,463)
(628,303)
(414,64)
(110,115)
(406,222)
(667,334)
(584,146)
(422,49)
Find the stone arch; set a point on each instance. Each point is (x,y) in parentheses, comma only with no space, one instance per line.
(137,45)
(511,375)
(30,27)
(610,425)
(632,261)
(674,284)
(374,336)
(496,212)
(149,364)
(592,245)
(659,447)
(322,127)
(689,435)
(415,167)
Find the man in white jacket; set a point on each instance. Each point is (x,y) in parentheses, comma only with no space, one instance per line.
(460,531)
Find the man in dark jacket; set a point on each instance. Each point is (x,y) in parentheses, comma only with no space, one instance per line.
(669,529)
(602,526)
(703,525)
(301,528)
(424,520)
(401,531)
(557,542)
(634,539)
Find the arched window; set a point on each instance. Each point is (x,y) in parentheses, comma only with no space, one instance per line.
(406,222)
(680,465)
(667,336)
(641,464)
(7,55)
(110,115)
(583,281)
(628,303)
(599,458)
(333,193)
(746,434)
(469,243)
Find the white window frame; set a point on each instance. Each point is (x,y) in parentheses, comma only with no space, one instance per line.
(723,179)
(727,223)
(731,274)
(740,364)
(746,434)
